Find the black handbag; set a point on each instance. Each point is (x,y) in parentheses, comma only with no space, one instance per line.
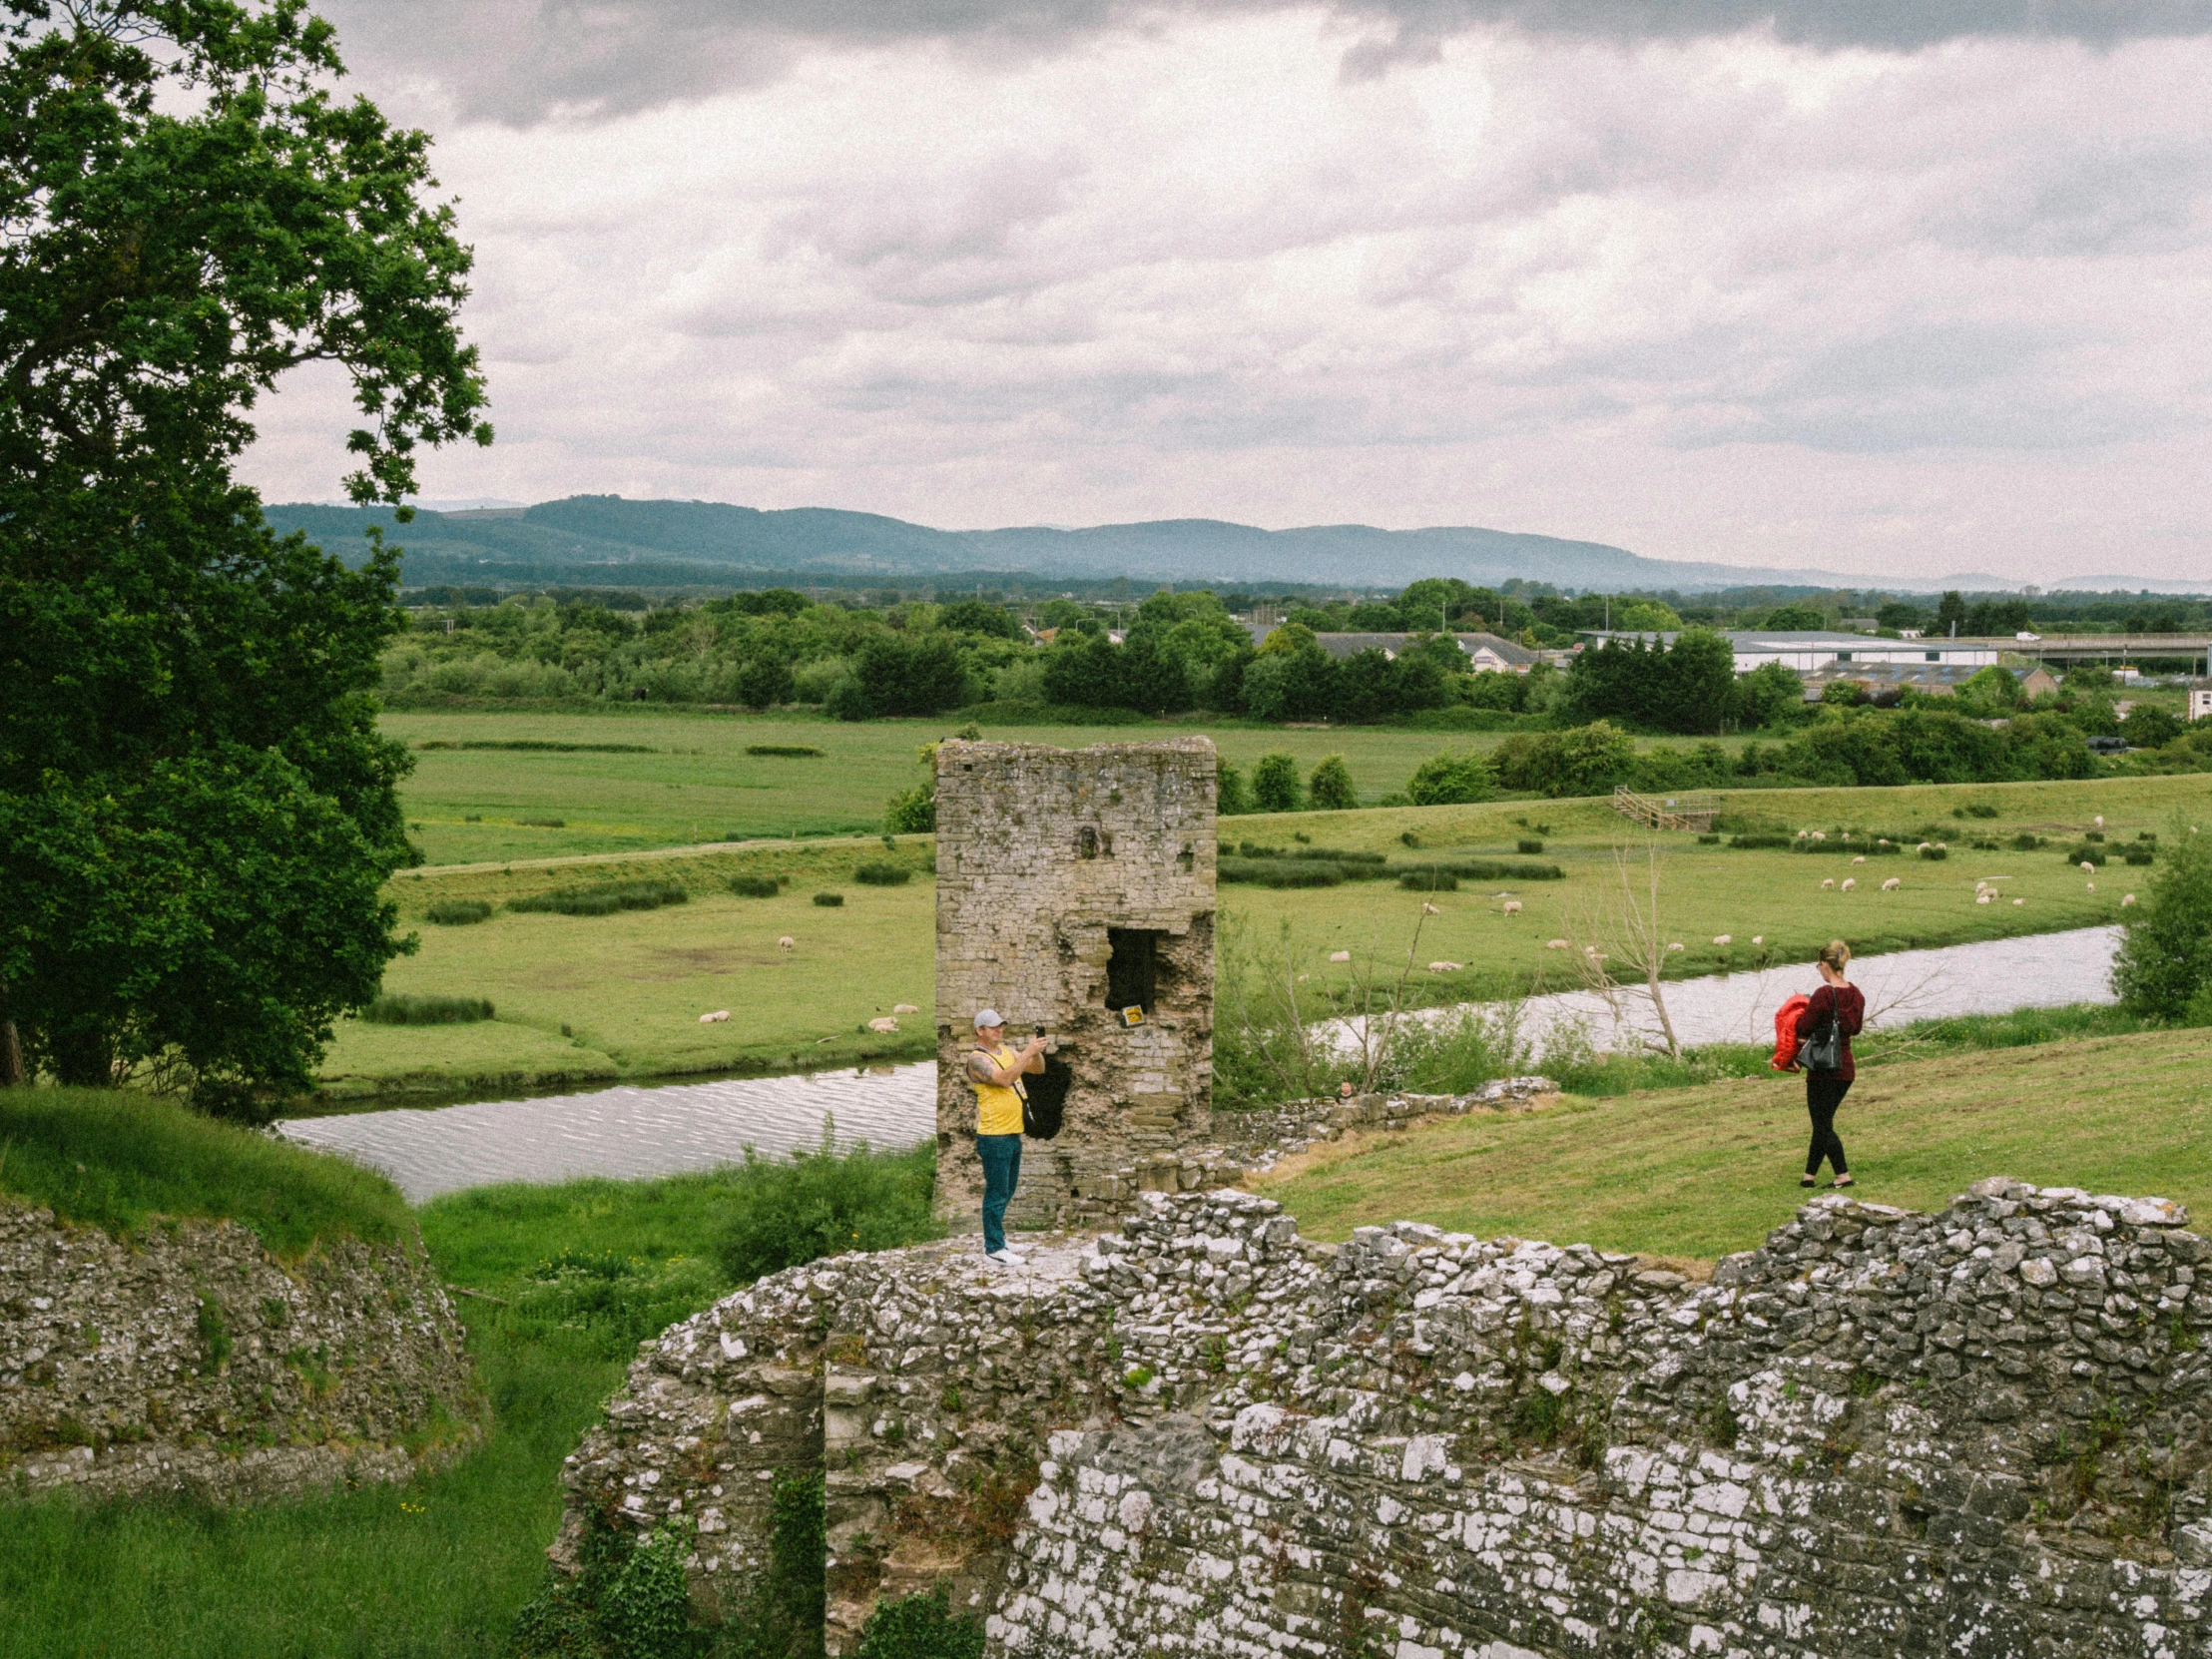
(1823,1051)
(1039,1121)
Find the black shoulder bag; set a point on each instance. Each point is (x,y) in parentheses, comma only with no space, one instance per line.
(1823,1052)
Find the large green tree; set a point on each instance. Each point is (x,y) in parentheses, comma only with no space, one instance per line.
(196,814)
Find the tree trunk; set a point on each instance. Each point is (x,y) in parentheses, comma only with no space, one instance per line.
(11,1057)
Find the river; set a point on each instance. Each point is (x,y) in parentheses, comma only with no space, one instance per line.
(636,1129)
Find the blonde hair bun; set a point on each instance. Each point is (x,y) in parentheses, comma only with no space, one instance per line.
(1836,953)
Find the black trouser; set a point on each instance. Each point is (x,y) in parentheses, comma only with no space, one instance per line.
(1822,1096)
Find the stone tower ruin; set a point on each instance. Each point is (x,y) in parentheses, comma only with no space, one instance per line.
(1073,887)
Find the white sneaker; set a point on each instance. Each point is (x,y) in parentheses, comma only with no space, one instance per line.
(1004,1257)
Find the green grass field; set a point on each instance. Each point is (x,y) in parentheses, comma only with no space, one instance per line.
(696,783)
(1700,1172)
(572,1278)
(630,988)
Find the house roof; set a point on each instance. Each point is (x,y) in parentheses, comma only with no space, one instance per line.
(1348,644)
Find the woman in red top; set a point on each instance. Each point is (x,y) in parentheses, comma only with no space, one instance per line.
(1824,1090)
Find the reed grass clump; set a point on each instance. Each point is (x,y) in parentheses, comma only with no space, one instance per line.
(603,898)
(457,913)
(403,1008)
(882,873)
(755,886)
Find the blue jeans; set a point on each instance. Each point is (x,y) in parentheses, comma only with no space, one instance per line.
(1002,1155)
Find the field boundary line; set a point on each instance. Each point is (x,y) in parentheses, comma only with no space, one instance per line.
(695,849)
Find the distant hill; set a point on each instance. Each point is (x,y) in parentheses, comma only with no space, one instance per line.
(604,540)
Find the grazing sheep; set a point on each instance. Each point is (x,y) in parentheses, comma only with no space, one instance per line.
(1820,835)
(715,1019)
(2088,868)
(2127,900)
(2020,901)
(1759,939)
(1892,886)
(905,1008)
(1850,882)
(1555,945)
(1443,967)
(1677,945)
(1983,897)
(1429,910)
(1925,845)
(787,943)
(1828,882)
(1340,955)
(1723,939)
(2092,887)
(1862,858)
(1512,907)
(882,1022)
(2100,821)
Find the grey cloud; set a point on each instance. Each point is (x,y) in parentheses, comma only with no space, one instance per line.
(519,61)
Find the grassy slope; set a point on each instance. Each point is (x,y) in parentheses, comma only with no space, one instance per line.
(115,1160)
(438,1567)
(631,987)
(1704,1171)
(699,785)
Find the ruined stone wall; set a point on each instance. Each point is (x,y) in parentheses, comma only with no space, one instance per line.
(190,1358)
(1042,853)
(1982,1431)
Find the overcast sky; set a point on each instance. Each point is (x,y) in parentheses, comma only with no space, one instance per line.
(1881,287)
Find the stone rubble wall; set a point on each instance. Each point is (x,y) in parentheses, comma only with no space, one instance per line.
(1040,852)
(1256,1138)
(190,1358)
(1982,1431)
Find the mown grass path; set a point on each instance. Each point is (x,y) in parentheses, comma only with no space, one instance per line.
(1701,1172)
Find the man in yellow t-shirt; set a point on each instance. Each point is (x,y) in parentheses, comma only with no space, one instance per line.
(995,1072)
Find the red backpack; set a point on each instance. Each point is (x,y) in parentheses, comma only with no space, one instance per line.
(1785,1020)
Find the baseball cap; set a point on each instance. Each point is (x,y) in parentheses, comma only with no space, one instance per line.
(989,1016)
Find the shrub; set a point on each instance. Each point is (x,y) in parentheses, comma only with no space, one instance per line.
(1234,799)
(786,1212)
(2087,854)
(881,874)
(1274,784)
(1934,852)
(1451,779)
(787,751)
(1980,809)
(400,1009)
(829,900)
(1279,872)
(919,1626)
(1529,843)
(2092,834)
(913,811)
(1330,789)
(457,913)
(604,899)
(1429,879)
(2140,855)
(2026,842)
(543,823)
(755,886)
(1759,842)
(2164,963)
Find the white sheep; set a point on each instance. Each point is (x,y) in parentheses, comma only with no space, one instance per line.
(2088,868)
(2020,901)
(715,1019)
(1925,845)
(1677,945)
(1759,939)
(2100,821)
(1862,858)
(1723,939)
(1443,967)
(2127,900)
(1850,882)
(882,1022)
(1820,835)
(1828,882)
(1892,886)
(787,943)
(1983,897)
(1555,945)
(1511,907)
(1429,910)
(905,1008)
(1340,955)
(2092,887)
